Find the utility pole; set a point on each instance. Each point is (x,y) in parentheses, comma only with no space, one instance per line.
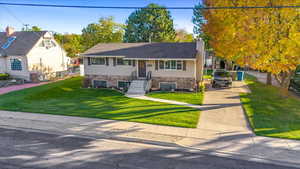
(26,27)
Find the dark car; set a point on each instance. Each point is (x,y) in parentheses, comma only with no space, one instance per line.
(221,78)
(295,81)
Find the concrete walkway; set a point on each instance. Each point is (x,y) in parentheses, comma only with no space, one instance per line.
(223,130)
(19,87)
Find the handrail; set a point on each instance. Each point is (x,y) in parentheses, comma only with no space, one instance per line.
(149,75)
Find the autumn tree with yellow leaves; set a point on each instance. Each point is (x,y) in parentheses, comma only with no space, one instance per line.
(266,39)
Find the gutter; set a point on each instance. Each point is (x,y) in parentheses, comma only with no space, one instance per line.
(128,58)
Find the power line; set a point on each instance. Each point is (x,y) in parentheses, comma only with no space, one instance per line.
(132,7)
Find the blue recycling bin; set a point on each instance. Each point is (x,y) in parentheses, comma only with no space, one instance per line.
(240,75)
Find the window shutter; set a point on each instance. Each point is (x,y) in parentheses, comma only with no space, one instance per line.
(115,61)
(89,60)
(107,61)
(133,63)
(184,65)
(156,65)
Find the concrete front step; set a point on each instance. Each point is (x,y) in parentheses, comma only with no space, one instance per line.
(137,87)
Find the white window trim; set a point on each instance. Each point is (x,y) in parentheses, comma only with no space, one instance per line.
(168,82)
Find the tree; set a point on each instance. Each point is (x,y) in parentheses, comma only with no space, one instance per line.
(147,24)
(199,21)
(72,43)
(263,39)
(183,36)
(33,29)
(105,31)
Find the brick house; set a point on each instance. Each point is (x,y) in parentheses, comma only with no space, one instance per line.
(153,65)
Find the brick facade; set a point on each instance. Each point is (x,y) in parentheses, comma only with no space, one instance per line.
(181,83)
(112,80)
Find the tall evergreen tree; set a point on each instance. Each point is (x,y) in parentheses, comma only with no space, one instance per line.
(199,21)
(148,24)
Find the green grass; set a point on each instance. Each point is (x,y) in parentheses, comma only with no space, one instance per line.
(270,113)
(187,97)
(68,98)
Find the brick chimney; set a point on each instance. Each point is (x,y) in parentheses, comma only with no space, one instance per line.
(9,31)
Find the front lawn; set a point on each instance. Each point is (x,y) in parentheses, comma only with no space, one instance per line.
(270,113)
(187,97)
(68,98)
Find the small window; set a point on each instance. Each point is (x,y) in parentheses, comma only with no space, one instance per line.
(16,64)
(167,86)
(99,84)
(161,64)
(123,84)
(47,42)
(98,61)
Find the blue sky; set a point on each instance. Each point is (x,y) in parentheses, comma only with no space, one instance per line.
(72,20)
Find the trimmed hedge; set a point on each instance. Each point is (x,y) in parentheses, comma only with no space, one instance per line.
(4,76)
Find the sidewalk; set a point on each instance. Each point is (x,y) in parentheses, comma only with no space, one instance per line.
(222,130)
(20,87)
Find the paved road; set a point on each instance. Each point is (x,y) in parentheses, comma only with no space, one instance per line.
(35,150)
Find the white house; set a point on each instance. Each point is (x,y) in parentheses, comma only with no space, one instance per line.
(144,66)
(26,54)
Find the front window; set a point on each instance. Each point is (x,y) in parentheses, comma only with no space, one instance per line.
(171,65)
(16,64)
(98,61)
(123,62)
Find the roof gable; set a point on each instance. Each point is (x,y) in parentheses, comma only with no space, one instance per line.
(23,43)
(145,50)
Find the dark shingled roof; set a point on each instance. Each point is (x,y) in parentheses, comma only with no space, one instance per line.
(23,44)
(2,52)
(144,50)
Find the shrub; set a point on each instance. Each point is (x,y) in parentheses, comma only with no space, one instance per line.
(4,76)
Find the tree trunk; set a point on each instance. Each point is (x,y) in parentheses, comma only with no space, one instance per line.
(284,80)
(269,78)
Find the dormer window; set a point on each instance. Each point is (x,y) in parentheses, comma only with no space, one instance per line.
(48,43)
